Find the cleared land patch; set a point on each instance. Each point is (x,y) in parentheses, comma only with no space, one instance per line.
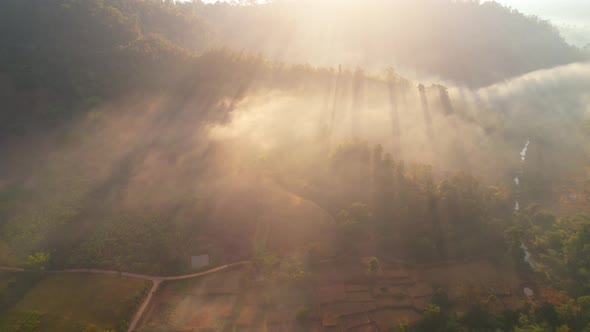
(230,300)
(207,303)
(76,302)
(387,318)
(340,297)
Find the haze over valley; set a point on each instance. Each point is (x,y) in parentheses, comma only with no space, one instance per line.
(299,165)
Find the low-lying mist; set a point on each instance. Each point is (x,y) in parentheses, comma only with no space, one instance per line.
(216,163)
(477,131)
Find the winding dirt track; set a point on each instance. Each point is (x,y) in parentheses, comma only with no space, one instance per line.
(156,281)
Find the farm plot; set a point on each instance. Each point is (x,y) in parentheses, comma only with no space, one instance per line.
(231,300)
(399,294)
(76,302)
(201,304)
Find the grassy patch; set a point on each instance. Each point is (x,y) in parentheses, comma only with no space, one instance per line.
(13,286)
(75,302)
(261,237)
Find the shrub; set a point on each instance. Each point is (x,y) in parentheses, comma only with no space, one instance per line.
(303,314)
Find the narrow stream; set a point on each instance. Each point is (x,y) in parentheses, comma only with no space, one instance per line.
(517,179)
(527,254)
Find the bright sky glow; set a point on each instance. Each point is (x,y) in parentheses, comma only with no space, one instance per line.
(559,11)
(572,17)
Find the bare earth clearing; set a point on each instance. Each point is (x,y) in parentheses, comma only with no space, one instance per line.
(340,298)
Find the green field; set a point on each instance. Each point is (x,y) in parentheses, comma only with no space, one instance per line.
(75,302)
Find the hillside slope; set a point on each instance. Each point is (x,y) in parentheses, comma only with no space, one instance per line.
(465,42)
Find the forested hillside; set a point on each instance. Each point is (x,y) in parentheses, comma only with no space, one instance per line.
(323,141)
(59,58)
(470,43)
(63,55)
(78,74)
